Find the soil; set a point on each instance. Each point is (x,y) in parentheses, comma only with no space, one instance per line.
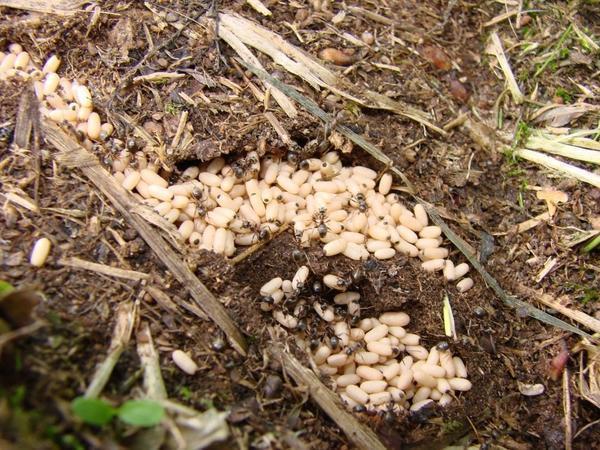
(482,193)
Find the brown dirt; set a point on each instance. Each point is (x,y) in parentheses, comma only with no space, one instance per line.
(499,347)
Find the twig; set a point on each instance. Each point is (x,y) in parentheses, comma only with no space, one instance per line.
(567,410)
(58,7)
(360,435)
(20,332)
(101,268)
(126,318)
(73,155)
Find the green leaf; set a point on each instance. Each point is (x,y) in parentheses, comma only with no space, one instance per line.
(142,413)
(5,288)
(93,411)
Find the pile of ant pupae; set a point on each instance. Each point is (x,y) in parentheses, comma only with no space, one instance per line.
(374,364)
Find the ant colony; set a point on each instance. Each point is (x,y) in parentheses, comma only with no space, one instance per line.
(374,363)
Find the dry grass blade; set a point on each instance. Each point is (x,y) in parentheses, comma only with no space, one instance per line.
(567,409)
(496,49)
(578,316)
(245,53)
(72,154)
(360,435)
(558,148)
(126,319)
(153,380)
(559,166)
(259,7)
(59,7)
(304,66)
(103,269)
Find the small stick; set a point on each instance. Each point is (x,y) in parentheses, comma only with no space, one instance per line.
(126,318)
(567,409)
(359,434)
(153,380)
(103,269)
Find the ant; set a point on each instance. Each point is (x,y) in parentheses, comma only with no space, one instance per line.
(320,220)
(359,201)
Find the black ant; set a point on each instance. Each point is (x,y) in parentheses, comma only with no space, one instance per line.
(320,219)
(359,201)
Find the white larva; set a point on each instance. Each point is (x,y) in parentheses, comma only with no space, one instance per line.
(51,65)
(374,244)
(424,379)
(460,384)
(347,379)
(459,365)
(380,398)
(271,286)
(300,278)
(335,247)
(366,358)
(208,236)
(180,201)
(163,208)
(160,192)
(357,394)
(378,232)
(369,373)
(395,319)
(184,362)
(410,222)
(7,62)
(430,232)
(376,333)
(403,381)
(326,369)
(435,253)
(397,332)
(464,285)
(433,265)
(424,243)
(445,400)
(51,83)
(385,253)
(373,386)
(195,238)
(461,270)
(82,96)
(346,297)
(337,360)
(321,355)
(151,177)
(417,351)
(186,229)
(21,61)
(391,371)
(449,272)
(40,252)
(381,348)
(172,216)
(385,184)
(407,249)
(334,282)
(287,184)
(421,214)
(443,386)
(433,370)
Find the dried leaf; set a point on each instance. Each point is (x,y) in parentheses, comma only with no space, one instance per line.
(17,305)
(563,114)
(552,198)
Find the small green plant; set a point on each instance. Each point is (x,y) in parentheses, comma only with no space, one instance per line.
(590,295)
(141,413)
(173,108)
(564,94)
(521,134)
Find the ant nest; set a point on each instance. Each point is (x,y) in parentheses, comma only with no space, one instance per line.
(374,364)
(352,211)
